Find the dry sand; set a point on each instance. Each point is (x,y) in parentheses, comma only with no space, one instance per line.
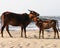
(32,40)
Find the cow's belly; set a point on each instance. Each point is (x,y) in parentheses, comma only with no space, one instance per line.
(14,23)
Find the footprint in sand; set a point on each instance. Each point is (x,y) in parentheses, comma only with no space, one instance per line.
(28,44)
(2,45)
(35,36)
(54,45)
(20,46)
(12,47)
(42,46)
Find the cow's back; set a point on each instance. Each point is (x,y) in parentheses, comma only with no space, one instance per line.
(15,19)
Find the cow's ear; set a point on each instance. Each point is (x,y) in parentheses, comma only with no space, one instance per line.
(29,10)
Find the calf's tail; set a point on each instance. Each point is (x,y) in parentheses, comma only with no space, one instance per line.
(57,24)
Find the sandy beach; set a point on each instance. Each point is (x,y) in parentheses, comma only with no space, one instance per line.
(32,40)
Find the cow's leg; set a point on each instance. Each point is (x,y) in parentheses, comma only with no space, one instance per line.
(7,29)
(54,33)
(25,32)
(43,33)
(2,30)
(21,31)
(39,32)
(57,32)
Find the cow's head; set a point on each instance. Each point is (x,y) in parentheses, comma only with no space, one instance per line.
(33,15)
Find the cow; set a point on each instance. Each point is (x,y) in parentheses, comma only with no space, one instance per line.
(47,24)
(14,19)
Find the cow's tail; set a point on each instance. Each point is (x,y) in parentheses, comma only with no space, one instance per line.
(3,17)
(57,24)
(2,20)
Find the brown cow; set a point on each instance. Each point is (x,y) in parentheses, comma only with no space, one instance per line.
(9,18)
(46,24)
